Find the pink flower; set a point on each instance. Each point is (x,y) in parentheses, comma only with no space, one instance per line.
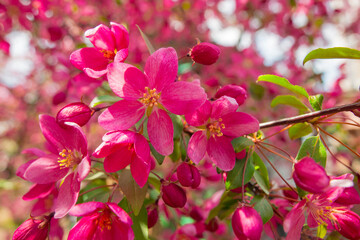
(246,223)
(152,93)
(348,224)
(310,176)
(123,148)
(101,221)
(220,123)
(67,164)
(33,229)
(111,45)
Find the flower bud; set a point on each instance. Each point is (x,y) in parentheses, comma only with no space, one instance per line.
(173,195)
(188,175)
(246,223)
(234,91)
(58,98)
(32,229)
(205,53)
(77,112)
(153,216)
(213,225)
(348,224)
(310,176)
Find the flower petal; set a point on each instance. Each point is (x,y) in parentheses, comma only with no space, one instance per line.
(101,37)
(294,221)
(89,58)
(123,216)
(45,166)
(122,115)
(84,209)
(140,169)
(238,124)
(38,191)
(126,81)
(197,146)
(221,152)
(121,55)
(85,228)
(182,97)
(161,131)
(200,116)
(68,195)
(141,146)
(121,35)
(119,159)
(83,168)
(161,68)
(223,106)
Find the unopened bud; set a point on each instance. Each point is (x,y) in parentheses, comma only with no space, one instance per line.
(205,53)
(173,195)
(32,229)
(77,112)
(153,216)
(58,98)
(213,225)
(246,223)
(188,175)
(234,91)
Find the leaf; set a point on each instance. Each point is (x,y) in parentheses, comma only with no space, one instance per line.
(178,125)
(290,101)
(263,207)
(176,154)
(132,190)
(336,52)
(314,148)
(321,231)
(159,158)
(241,143)
(227,205)
(147,41)
(261,174)
(140,226)
(234,177)
(256,91)
(155,182)
(283,82)
(104,99)
(316,101)
(299,130)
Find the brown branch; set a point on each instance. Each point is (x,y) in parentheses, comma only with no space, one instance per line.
(309,116)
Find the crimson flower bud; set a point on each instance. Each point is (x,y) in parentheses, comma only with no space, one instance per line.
(246,223)
(290,193)
(348,224)
(59,98)
(213,225)
(205,53)
(234,91)
(153,216)
(77,112)
(32,229)
(188,175)
(173,195)
(310,176)
(196,214)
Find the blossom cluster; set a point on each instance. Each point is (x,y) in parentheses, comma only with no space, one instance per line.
(141,126)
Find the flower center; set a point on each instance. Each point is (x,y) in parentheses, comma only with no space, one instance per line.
(68,158)
(105,221)
(215,128)
(150,97)
(109,54)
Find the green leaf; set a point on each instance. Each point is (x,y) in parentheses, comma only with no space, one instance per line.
(316,101)
(140,226)
(155,182)
(256,91)
(104,99)
(184,68)
(176,154)
(241,143)
(178,125)
(336,52)
(147,41)
(134,194)
(261,173)
(234,177)
(314,148)
(299,130)
(290,101)
(283,82)
(226,206)
(159,158)
(321,231)
(263,207)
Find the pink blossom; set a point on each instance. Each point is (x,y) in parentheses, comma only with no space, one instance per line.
(110,45)
(123,148)
(67,164)
(33,229)
(246,223)
(101,221)
(219,124)
(205,53)
(152,93)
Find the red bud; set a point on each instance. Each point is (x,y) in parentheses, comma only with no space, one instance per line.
(205,53)
(188,175)
(173,195)
(247,223)
(213,225)
(59,98)
(153,216)
(77,112)
(234,91)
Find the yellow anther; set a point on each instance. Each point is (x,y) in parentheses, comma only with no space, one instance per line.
(150,97)
(108,54)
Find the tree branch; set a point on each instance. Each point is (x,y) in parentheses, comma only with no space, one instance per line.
(309,116)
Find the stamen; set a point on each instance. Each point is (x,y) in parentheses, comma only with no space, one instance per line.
(68,158)
(108,54)
(215,128)
(151,97)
